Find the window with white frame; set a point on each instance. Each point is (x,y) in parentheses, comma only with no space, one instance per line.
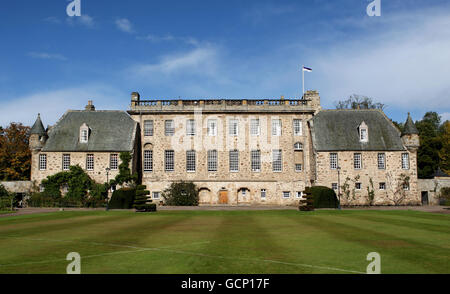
(276,127)
(406,186)
(66,161)
(190,161)
(156,195)
(233,127)
(298,167)
(212,160)
(299,194)
(42,161)
(381,160)
(357,160)
(148,160)
(255,128)
(169,160)
(333,160)
(297,127)
(255,156)
(363,135)
(113,162)
(169,127)
(234,160)
(286,194)
(90,162)
(190,127)
(363,132)
(277,162)
(382,186)
(298,146)
(212,127)
(84,136)
(263,193)
(148,127)
(405,161)
(334,186)
(358,186)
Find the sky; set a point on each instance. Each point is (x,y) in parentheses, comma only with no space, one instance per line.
(51,62)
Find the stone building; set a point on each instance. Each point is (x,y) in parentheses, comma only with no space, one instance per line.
(242,152)
(89,138)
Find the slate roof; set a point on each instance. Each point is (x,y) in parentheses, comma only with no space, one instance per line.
(38,127)
(109,131)
(337,130)
(410,127)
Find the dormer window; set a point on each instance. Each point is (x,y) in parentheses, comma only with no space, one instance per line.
(363,132)
(84,133)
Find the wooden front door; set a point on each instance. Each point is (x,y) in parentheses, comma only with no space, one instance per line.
(223,197)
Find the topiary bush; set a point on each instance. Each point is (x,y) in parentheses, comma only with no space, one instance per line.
(324,197)
(122,199)
(181,194)
(141,200)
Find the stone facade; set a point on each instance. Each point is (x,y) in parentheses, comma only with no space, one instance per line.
(430,189)
(163,125)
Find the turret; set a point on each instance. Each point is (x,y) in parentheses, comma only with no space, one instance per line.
(135,97)
(38,135)
(410,135)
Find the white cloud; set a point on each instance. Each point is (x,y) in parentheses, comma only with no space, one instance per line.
(201,60)
(169,38)
(84,20)
(445,116)
(52,104)
(44,55)
(405,66)
(124,25)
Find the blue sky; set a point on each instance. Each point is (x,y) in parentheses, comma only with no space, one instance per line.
(50,62)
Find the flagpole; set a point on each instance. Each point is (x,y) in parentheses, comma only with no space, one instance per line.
(303,81)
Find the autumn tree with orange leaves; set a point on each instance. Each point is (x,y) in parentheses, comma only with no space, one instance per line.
(15,155)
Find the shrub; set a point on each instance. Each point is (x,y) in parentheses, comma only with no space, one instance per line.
(141,199)
(122,199)
(307,204)
(324,197)
(181,194)
(444,198)
(6,199)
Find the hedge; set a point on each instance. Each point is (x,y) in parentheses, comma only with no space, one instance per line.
(324,197)
(122,199)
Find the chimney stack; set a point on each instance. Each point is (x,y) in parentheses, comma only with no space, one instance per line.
(90,106)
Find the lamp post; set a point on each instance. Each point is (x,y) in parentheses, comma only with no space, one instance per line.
(107,188)
(339,186)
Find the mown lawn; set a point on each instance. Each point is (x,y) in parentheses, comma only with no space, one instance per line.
(226,242)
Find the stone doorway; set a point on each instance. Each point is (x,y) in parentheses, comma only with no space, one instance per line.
(425,198)
(223,197)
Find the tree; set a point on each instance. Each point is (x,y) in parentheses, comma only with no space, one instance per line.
(124,175)
(359,102)
(15,154)
(181,194)
(444,153)
(141,199)
(430,144)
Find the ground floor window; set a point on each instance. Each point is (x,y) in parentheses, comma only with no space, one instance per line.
(406,187)
(299,194)
(263,193)
(286,194)
(382,186)
(334,186)
(358,186)
(156,195)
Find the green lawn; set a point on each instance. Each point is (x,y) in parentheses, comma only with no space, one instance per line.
(285,241)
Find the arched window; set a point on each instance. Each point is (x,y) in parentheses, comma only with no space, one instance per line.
(298,146)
